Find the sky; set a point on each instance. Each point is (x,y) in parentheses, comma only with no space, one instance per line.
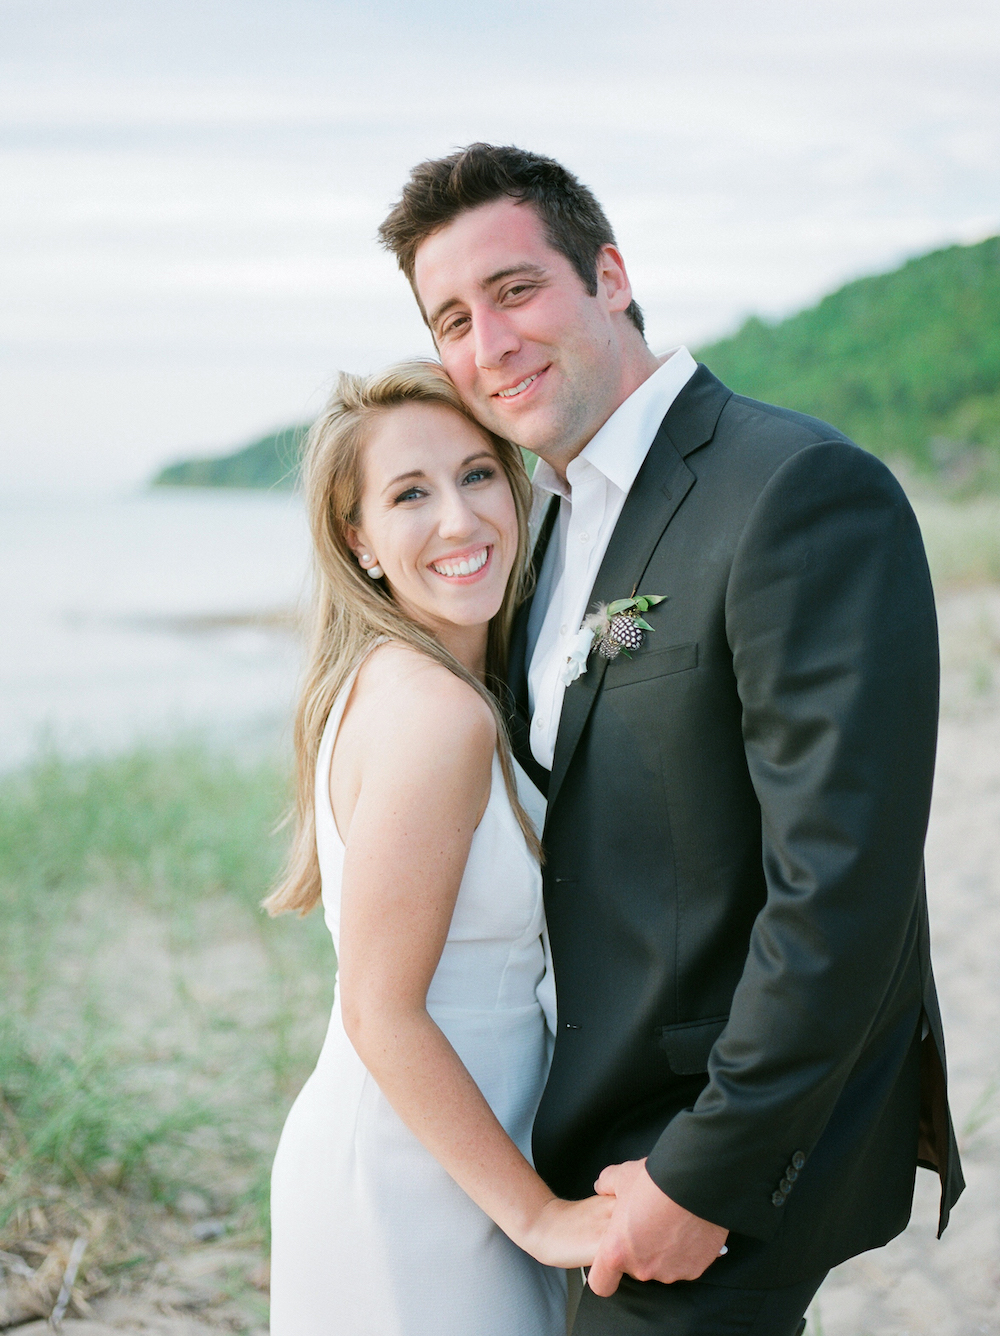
(189,190)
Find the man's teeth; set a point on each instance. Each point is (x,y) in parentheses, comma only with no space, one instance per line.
(468,566)
(509,394)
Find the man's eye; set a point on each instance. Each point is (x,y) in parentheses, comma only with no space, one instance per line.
(518,289)
(455,326)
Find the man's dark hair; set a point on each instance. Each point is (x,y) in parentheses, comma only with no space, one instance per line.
(440,189)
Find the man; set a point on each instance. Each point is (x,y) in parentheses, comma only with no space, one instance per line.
(749,1053)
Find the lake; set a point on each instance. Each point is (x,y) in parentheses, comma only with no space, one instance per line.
(137,615)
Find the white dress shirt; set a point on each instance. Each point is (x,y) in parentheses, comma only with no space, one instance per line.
(597,483)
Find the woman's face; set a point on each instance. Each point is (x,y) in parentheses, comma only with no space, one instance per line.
(437,515)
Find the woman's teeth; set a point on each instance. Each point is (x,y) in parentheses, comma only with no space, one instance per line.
(468,566)
(518,389)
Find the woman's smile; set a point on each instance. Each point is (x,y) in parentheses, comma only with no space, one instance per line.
(463,567)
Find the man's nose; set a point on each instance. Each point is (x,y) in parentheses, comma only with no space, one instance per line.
(494,336)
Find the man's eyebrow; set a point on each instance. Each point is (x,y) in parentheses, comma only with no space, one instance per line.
(528,269)
(535,270)
(419,473)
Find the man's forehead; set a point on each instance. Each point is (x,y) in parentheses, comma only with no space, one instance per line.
(479,247)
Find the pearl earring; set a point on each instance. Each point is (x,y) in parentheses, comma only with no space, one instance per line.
(376,572)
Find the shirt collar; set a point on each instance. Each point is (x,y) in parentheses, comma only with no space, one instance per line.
(619,448)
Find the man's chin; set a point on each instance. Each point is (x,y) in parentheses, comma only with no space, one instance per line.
(526,428)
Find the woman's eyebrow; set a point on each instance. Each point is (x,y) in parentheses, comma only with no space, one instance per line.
(402,477)
(419,473)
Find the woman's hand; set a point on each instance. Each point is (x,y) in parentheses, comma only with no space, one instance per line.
(567,1233)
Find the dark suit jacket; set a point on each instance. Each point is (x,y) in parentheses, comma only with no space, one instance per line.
(734,840)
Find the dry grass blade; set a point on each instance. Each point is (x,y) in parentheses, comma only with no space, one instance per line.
(17,1266)
(69,1279)
(26,1296)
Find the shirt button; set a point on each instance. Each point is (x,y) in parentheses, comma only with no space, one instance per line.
(585,538)
(563,630)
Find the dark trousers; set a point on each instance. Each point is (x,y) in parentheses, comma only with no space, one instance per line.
(692,1308)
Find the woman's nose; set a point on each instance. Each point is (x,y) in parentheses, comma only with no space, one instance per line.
(456,519)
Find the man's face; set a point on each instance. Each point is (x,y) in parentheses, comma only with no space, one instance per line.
(535,357)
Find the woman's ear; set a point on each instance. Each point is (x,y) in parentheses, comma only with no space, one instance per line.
(367,559)
(356,542)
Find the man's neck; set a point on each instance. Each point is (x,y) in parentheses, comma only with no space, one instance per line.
(635,370)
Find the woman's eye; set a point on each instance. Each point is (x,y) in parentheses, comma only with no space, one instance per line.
(480,475)
(411,494)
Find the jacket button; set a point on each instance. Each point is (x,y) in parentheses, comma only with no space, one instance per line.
(785,1186)
(798,1160)
(777,1199)
(791,1174)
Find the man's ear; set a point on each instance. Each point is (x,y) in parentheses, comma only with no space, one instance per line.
(612,279)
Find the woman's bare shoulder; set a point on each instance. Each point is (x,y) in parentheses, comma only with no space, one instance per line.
(402,693)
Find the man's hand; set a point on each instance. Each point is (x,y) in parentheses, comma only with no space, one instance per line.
(650,1237)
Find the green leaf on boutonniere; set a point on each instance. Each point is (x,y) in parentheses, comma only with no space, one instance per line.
(653,599)
(645,626)
(620,605)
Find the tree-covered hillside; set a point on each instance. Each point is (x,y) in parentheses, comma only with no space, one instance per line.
(907,363)
(271,461)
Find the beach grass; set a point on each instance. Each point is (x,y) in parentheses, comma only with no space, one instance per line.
(157,1024)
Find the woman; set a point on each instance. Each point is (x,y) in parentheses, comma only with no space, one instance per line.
(403,1198)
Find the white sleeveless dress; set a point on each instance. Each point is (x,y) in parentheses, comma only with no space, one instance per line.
(370,1236)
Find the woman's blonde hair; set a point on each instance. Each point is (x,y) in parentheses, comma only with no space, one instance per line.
(350,610)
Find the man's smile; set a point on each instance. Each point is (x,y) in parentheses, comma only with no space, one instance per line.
(515,391)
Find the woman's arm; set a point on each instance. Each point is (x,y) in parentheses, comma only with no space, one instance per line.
(422,754)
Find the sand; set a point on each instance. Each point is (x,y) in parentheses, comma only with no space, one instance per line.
(918,1284)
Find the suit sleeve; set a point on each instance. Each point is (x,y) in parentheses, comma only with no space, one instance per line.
(830,619)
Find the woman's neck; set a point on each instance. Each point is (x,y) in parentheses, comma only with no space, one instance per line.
(467,644)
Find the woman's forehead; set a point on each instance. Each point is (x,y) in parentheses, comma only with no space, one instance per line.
(433,433)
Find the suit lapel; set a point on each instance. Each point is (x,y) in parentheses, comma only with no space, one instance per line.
(518,722)
(660,486)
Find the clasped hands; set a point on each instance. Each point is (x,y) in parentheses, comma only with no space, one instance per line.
(649,1236)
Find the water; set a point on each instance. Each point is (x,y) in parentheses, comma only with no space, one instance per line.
(135,616)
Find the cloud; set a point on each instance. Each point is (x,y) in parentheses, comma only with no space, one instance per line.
(193,190)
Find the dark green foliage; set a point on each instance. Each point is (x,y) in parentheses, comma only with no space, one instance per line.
(906,363)
(272,461)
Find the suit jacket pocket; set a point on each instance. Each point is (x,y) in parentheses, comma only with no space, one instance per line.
(688,1045)
(649,663)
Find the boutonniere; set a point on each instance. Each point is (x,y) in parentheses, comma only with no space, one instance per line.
(612,629)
